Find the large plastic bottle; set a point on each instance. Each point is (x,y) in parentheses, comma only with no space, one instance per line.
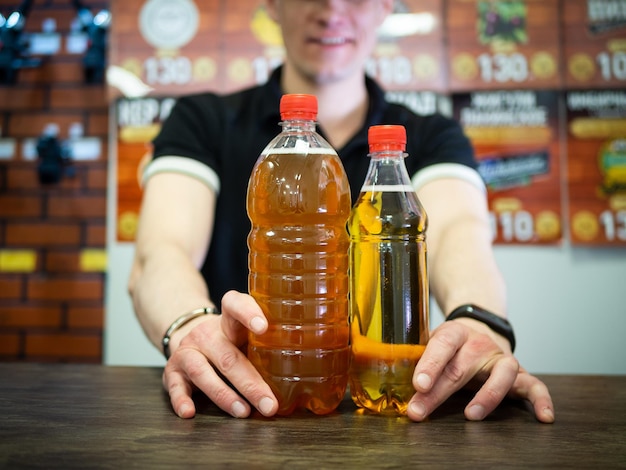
(298,202)
(388,279)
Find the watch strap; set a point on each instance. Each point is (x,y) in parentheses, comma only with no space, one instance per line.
(496,323)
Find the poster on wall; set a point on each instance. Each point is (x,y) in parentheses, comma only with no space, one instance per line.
(160,49)
(515,135)
(596,160)
(187,46)
(410,53)
(594,44)
(498,44)
(409,60)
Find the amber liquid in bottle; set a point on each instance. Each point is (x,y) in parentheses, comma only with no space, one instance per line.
(299,204)
(389,296)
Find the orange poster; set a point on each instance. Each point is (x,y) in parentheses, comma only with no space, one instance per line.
(594,43)
(161,47)
(410,54)
(503,44)
(516,138)
(596,160)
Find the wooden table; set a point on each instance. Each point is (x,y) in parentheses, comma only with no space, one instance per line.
(88,416)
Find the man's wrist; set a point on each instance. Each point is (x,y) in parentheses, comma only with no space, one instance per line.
(495,322)
(180,322)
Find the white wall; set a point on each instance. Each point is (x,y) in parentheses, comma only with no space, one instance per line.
(568,307)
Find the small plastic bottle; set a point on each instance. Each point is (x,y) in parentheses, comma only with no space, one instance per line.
(298,202)
(388,279)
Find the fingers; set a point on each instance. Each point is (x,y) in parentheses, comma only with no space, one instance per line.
(495,388)
(528,387)
(180,393)
(204,375)
(189,368)
(439,372)
(242,375)
(209,358)
(239,310)
(455,356)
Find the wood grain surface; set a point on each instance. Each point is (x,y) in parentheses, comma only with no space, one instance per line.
(91,416)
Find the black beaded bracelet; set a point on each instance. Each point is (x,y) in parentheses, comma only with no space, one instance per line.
(180,321)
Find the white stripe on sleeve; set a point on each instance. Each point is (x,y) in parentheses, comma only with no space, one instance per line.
(447,170)
(183,165)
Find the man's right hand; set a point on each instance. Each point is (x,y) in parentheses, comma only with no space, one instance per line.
(209,355)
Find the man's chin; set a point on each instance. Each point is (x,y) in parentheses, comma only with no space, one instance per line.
(328,76)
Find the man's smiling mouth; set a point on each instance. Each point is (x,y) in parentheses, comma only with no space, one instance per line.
(332,41)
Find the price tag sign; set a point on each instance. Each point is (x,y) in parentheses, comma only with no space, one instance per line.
(497,44)
(410,52)
(594,44)
(515,135)
(596,134)
(162,47)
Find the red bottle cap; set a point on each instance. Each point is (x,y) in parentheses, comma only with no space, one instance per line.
(298,106)
(386,138)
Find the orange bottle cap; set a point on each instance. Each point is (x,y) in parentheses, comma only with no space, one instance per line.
(386,137)
(298,106)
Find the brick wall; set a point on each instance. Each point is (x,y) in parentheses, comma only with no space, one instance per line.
(52,237)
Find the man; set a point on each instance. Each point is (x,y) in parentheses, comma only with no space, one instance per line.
(190,251)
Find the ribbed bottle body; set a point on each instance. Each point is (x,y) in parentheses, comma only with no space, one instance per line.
(298,203)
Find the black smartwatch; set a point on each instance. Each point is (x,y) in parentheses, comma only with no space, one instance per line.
(498,324)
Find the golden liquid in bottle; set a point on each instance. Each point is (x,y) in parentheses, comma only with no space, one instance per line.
(389,298)
(298,262)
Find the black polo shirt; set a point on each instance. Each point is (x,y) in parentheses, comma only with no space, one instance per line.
(220,137)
